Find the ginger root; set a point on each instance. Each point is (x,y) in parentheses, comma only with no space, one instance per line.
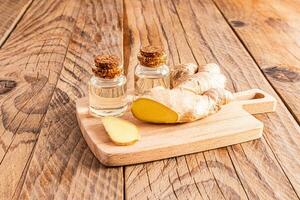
(177,106)
(208,76)
(181,72)
(196,97)
(120,131)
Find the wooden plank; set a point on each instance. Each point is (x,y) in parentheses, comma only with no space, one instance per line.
(270,32)
(62,165)
(262,169)
(30,62)
(10,14)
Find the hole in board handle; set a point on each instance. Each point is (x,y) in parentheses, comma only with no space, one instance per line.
(258,96)
(250,96)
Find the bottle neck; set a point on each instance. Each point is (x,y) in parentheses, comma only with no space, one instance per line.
(98,78)
(152,67)
(104,82)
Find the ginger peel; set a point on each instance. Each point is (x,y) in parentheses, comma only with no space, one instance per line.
(208,76)
(181,72)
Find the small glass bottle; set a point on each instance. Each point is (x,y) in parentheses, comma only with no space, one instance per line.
(152,71)
(107,87)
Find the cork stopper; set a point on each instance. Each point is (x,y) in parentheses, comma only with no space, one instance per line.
(152,56)
(107,66)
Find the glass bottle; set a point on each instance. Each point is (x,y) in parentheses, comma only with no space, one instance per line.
(107,88)
(152,70)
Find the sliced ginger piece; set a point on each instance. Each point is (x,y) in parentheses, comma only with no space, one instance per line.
(152,111)
(120,131)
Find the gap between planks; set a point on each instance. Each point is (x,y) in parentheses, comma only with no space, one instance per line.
(19,17)
(274,88)
(257,64)
(245,53)
(71,48)
(15,23)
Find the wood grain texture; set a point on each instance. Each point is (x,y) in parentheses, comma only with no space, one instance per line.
(62,166)
(270,31)
(233,124)
(196,30)
(44,67)
(30,61)
(11,11)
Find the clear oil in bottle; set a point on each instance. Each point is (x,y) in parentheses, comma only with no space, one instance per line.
(146,78)
(152,70)
(107,88)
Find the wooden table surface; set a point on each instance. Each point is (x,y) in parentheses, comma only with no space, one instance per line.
(47,49)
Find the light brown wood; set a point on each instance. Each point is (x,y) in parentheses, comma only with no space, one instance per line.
(53,37)
(270,32)
(62,166)
(231,125)
(11,13)
(31,61)
(195,30)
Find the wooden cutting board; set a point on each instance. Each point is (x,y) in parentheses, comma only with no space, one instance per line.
(231,125)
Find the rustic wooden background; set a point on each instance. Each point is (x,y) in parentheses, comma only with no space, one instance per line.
(47,48)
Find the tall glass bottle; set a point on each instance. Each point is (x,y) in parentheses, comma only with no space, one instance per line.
(152,70)
(107,87)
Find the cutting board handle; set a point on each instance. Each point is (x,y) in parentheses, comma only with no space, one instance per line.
(256,101)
